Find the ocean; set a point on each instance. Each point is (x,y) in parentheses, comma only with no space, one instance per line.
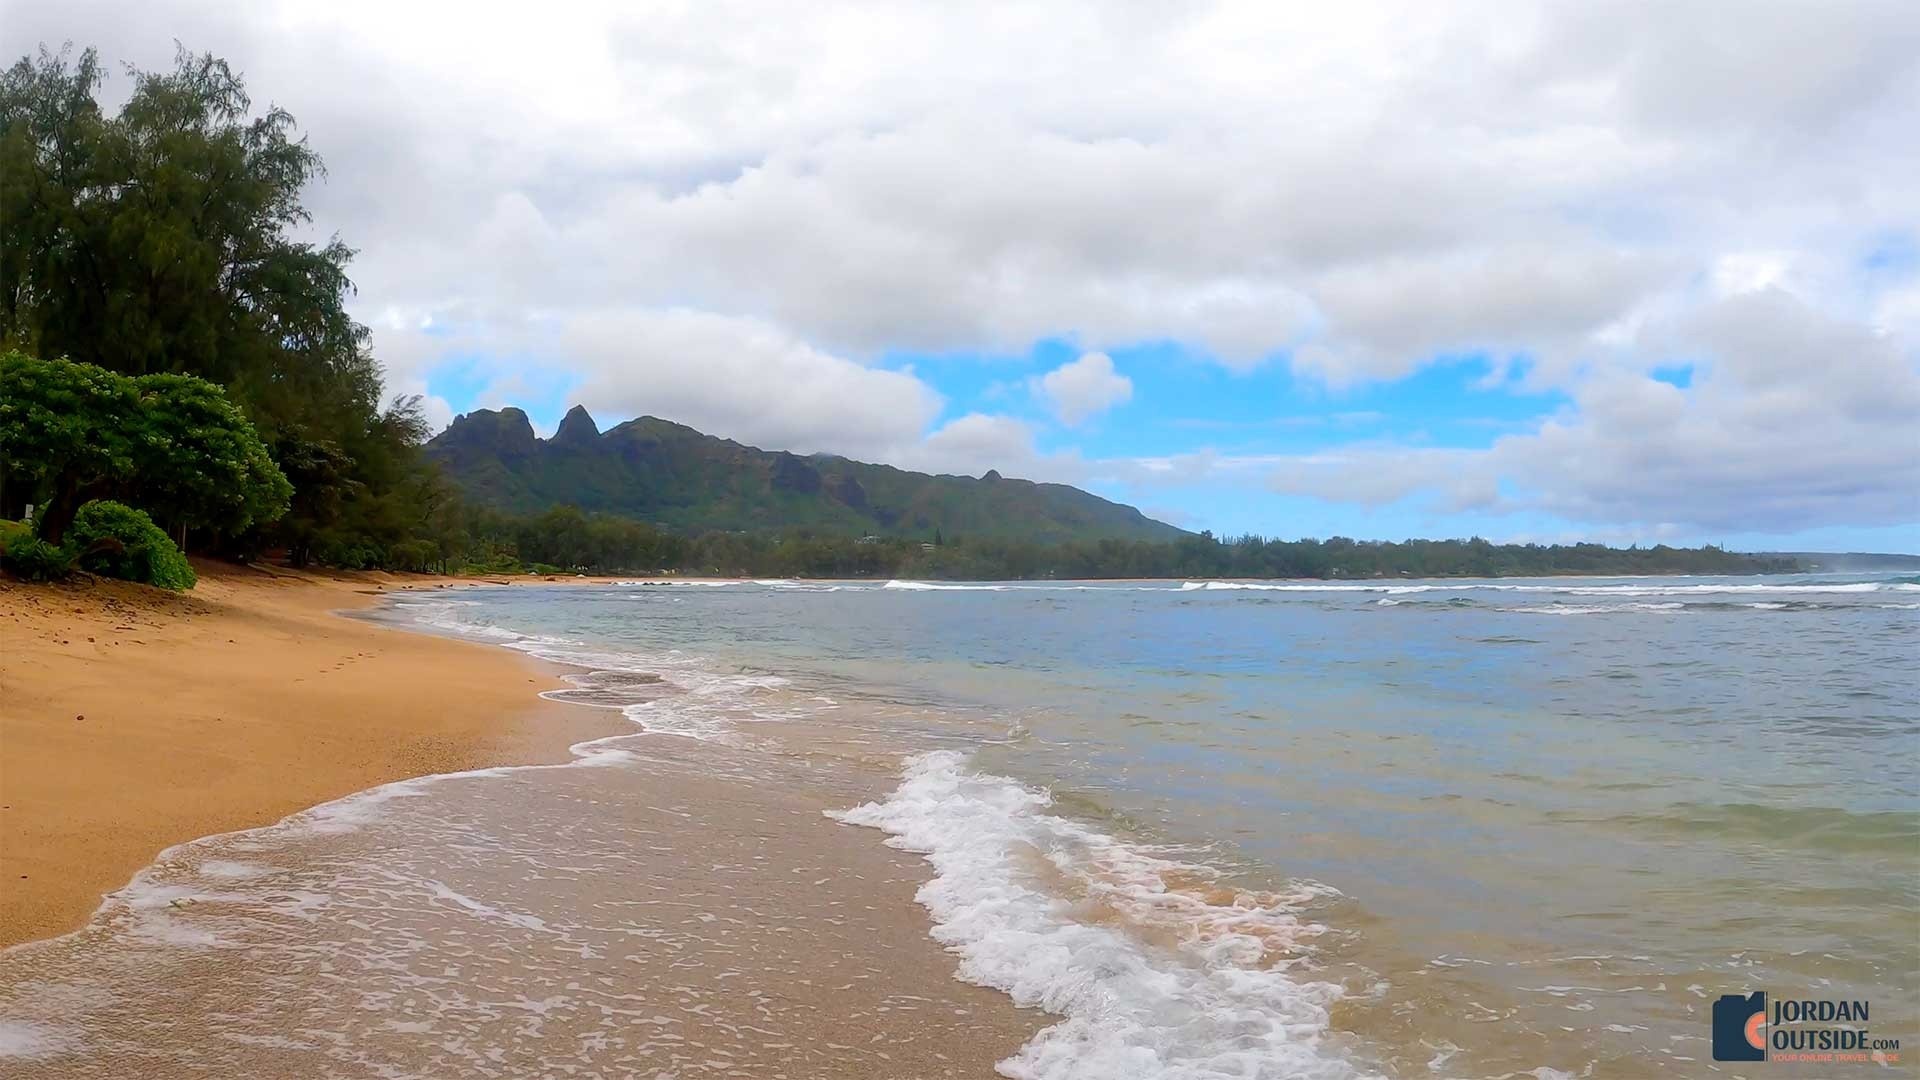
(1514,828)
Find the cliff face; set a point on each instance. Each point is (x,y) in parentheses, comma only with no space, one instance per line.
(669,474)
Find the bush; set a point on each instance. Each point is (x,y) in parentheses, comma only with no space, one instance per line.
(115,540)
(33,559)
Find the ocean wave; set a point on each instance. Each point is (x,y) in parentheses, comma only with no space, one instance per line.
(1761,588)
(933,586)
(1304,587)
(1593,609)
(1216,1002)
(685,697)
(1767,588)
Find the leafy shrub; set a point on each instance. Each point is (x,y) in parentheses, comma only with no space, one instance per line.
(115,540)
(33,559)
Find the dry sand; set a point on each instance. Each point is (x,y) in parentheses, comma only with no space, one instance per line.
(132,719)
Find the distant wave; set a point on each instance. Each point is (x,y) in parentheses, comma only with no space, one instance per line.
(1593,609)
(1264,586)
(1012,586)
(1769,588)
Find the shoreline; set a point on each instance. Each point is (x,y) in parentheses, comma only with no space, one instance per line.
(695,880)
(134,720)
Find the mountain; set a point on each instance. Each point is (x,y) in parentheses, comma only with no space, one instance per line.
(671,475)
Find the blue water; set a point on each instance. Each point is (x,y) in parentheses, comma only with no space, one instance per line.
(1518,825)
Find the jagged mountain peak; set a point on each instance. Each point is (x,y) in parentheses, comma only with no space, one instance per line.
(674,476)
(576,427)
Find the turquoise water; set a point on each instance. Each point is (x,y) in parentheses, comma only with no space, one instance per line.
(1514,826)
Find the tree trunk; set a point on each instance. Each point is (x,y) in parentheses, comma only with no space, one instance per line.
(60,510)
(69,495)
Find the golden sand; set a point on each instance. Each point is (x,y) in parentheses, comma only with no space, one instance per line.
(132,719)
(711,925)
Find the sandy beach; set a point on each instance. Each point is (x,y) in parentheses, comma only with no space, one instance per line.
(132,719)
(701,916)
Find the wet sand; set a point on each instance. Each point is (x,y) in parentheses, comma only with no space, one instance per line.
(698,914)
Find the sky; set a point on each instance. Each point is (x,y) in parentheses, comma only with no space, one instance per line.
(1625,272)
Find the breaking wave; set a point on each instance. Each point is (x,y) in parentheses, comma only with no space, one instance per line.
(1156,967)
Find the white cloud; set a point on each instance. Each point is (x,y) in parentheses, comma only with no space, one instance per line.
(972,444)
(742,379)
(728,214)
(1793,419)
(1082,389)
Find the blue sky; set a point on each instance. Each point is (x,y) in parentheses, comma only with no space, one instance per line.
(1183,404)
(1546,273)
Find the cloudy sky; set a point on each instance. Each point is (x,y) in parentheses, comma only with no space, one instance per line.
(1617,271)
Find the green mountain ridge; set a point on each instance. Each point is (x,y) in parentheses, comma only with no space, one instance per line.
(676,477)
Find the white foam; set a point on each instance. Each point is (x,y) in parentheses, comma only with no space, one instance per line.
(230,870)
(1595,609)
(23,1040)
(1216,1004)
(930,586)
(1563,588)
(1302,587)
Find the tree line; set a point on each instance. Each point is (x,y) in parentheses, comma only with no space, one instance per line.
(567,540)
(175,361)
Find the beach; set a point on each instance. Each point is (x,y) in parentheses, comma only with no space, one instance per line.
(133,719)
(1054,830)
(253,722)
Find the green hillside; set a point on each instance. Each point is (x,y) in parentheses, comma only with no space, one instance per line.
(671,475)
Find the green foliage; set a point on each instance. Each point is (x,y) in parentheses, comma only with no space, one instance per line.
(65,428)
(115,540)
(199,462)
(158,237)
(173,443)
(33,559)
(160,241)
(565,539)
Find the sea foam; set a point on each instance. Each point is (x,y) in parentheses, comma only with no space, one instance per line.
(1217,1002)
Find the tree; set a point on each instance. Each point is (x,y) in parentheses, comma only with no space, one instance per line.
(173,444)
(198,461)
(65,432)
(155,240)
(161,240)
